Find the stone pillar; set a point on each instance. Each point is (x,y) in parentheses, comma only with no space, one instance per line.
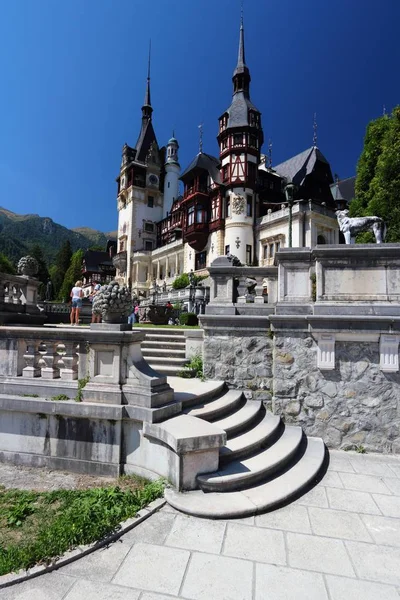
(176,264)
(31,358)
(69,362)
(158,270)
(166,267)
(51,358)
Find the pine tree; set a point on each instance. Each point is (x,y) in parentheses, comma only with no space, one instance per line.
(6,266)
(58,271)
(74,272)
(43,272)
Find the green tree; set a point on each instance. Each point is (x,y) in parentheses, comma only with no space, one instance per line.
(43,272)
(74,272)
(6,266)
(59,269)
(378,176)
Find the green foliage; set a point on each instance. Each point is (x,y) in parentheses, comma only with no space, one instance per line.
(51,523)
(378,176)
(182,281)
(81,385)
(6,266)
(73,273)
(43,273)
(59,397)
(193,368)
(188,318)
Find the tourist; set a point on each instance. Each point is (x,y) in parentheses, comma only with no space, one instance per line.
(76,299)
(169,305)
(96,316)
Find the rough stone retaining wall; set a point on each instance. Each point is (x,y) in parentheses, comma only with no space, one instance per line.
(354,405)
(244,361)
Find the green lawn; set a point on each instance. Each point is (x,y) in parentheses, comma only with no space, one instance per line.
(36,527)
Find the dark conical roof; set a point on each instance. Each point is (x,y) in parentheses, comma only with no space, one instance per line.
(204,162)
(297,168)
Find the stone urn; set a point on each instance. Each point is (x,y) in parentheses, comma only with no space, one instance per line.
(113,301)
(28,266)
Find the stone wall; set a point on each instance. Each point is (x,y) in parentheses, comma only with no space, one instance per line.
(356,404)
(243,359)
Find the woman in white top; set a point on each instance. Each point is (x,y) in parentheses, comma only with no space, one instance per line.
(76,297)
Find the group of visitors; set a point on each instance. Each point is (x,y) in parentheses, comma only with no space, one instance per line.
(76,302)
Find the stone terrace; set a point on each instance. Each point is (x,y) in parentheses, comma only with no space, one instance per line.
(340,540)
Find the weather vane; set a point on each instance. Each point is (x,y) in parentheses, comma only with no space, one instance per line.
(315,130)
(200,138)
(270,153)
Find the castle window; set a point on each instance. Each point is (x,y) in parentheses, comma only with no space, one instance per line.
(238,139)
(251,172)
(150,201)
(253,141)
(227,250)
(228,207)
(148,245)
(199,214)
(249,211)
(169,184)
(121,246)
(200,261)
(190,215)
(224,143)
(248,254)
(149,227)
(321,239)
(225,173)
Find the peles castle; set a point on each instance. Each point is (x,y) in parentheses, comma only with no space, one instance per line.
(236,203)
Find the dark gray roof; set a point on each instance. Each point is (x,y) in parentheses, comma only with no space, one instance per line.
(344,189)
(145,139)
(94,258)
(239,110)
(297,168)
(204,162)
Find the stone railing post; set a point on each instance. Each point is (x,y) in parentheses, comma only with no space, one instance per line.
(68,363)
(51,358)
(31,358)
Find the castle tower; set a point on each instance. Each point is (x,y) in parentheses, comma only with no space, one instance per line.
(240,139)
(140,198)
(172,171)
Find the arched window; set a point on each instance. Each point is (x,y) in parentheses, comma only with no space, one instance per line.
(321,239)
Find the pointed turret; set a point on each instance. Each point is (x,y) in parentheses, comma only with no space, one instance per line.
(241,75)
(146,135)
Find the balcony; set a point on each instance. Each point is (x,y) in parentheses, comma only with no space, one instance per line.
(120,261)
(196,235)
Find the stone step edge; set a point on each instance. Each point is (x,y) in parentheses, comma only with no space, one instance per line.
(207,396)
(216,407)
(231,505)
(246,415)
(271,460)
(268,426)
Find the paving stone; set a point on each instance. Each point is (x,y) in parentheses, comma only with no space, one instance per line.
(331,479)
(281,583)
(153,531)
(290,518)
(211,577)
(342,588)
(389,505)
(352,501)
(395,469)
(100,565)
(370,466)
(254,543)
(339,461)
(94,590)
(155,568)
(151,596)
(315,497)
(376,563)
(52,586)
(364,483)
(196,534)
(338,524)
(384,530)
(242,521)
(318,554)
(393,484)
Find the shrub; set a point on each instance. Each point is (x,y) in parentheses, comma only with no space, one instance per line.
(181,282)
(187,318)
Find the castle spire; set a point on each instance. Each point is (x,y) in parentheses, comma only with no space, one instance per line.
(147,109)
(241,74)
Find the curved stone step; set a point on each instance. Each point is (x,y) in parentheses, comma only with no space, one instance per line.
(164,331)
(171,360)
(154,337)
(165,369)
(256,499)
(161,344)
(250,441)
(240,419)
(217,408)
(191,392)
(164,352)
(240,473)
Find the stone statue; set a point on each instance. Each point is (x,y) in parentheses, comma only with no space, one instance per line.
(238,203)
(49,290)
(164,286)
(351,226)
(191,278)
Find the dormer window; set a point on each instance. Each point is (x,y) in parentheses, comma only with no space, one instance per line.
(253,141)
(238,139)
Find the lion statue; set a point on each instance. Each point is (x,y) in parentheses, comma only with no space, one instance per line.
(351,226)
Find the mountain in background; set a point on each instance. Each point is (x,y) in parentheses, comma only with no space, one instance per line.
(19,233)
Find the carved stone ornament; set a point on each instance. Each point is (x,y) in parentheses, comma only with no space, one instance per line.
(238,204)
(351,226)
(113,302)
(28,266)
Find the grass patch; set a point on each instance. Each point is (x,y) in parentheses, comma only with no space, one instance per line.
(193,368)
(59,397)
(37,527)
(166,326)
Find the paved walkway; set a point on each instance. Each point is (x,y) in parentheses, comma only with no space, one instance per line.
(340,541)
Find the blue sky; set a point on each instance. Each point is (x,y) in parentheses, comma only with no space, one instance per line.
(73,78)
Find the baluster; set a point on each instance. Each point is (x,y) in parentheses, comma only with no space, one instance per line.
(18,294)
(10,293)
(50,359)
(259,289)
(242,290)
(68,363)
(2,291)
(31,358)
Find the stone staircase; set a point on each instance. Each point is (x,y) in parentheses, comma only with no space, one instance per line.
(164,349)
(263,463)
